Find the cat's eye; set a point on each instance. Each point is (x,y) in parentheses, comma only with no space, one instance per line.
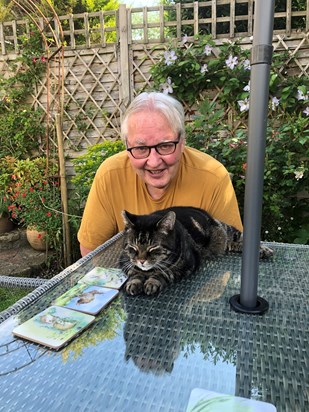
(132,250)
(153,250)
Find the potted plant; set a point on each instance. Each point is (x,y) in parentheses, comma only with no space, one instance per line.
(36,202)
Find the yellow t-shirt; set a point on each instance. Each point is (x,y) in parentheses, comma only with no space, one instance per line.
(201,181)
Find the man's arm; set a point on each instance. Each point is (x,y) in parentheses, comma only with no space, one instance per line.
(84,251)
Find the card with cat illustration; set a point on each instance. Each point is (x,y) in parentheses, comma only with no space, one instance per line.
(207,401)
(106,277)
(54,327)
(86,298)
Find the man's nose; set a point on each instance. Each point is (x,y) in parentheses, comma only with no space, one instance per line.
(154,158)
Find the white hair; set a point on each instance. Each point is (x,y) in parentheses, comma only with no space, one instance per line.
(169,107)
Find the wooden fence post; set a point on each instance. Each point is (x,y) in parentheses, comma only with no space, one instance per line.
(64,194)
(124,89)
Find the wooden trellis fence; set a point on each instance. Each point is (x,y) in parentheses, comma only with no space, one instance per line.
(107,57)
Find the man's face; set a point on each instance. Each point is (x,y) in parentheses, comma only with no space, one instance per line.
(157,171)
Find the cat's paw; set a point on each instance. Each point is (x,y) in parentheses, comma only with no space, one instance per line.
(265,252)
(134,287)
(152,286)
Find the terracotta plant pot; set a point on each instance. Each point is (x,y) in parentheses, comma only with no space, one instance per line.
(36,239)
(6,225)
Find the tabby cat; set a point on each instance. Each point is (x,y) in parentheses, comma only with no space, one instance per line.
(168,244)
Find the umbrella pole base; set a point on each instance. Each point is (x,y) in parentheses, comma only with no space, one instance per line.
(260,308)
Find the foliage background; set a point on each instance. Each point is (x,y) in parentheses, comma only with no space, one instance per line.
(191,71)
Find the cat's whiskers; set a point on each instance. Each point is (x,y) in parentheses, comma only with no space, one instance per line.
(126,266)
(168,274)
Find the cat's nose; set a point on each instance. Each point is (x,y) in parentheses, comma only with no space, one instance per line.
(142,261)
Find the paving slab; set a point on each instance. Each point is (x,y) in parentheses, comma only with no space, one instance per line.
(17,257)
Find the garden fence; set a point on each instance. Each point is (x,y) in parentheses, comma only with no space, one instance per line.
(106,56)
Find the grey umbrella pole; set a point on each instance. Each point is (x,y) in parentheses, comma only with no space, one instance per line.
(261,55)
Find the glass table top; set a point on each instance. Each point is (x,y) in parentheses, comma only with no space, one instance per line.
(148,353)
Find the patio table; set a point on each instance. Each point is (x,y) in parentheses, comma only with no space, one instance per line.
(148,353)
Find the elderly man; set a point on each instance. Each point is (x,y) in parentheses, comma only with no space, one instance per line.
(155,171)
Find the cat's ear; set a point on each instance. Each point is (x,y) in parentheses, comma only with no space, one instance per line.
(167,223)
(127,218)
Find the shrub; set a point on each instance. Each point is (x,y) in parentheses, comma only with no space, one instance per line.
(21,128)
(85,167)
(219,126)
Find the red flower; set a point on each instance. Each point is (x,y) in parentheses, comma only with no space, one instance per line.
(39,235)
(24,194)
(48,214)
(233,145)
(31,189)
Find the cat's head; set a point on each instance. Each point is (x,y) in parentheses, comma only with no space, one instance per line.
(148,239)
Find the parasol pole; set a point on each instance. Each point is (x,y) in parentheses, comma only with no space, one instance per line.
(261,56)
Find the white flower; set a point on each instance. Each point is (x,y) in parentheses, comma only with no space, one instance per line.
(246,64)
(274,103)
(247,88)
(184,39)
(306,111)
(167,87)
(207,50)
(204,68)
(299,174)
(243,104)
(301,95)
(231,62)
(170,57)
(279,228)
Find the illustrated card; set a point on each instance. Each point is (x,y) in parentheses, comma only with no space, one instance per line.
(105,277)
(202,400)
(54,326)
(86,298)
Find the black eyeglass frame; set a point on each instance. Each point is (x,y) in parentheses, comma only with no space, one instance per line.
(156,146)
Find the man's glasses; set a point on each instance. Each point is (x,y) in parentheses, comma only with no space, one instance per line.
(142,152)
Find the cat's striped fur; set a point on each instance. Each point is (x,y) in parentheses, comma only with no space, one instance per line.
(168,244)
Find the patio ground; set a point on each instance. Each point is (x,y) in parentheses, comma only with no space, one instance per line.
(17,257)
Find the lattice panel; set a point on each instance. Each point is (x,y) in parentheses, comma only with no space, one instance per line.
(92,101)
(92,88)
(91,107)
(298,61)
